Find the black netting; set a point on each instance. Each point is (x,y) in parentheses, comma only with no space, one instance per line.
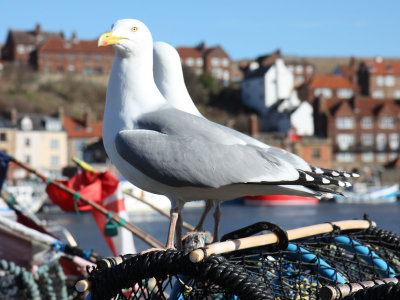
(263,272)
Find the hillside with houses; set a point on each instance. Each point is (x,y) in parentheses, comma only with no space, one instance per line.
(339,113)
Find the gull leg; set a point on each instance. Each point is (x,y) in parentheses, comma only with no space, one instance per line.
(172,226)
(178,231)
(207,208)
(217,215)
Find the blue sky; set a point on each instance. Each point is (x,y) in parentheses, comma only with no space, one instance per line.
(244,29)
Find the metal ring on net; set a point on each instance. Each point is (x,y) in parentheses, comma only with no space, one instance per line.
(216,270)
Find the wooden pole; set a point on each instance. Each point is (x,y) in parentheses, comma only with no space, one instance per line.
(132,228)
(266,239)
(161,211)
(342,290)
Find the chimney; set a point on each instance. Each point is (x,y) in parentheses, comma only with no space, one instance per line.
(74,37)
(38,29)
(61,114)
(87,118)
(14,116)
(254,125)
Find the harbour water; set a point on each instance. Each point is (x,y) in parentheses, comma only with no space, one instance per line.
(233,217)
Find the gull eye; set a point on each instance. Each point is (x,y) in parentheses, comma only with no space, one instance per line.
(134,29)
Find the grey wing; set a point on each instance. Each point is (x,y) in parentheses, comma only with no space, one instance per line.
(295,160)
(194,161)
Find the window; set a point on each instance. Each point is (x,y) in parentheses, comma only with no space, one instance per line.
(393,155)
(299,69)
(72,56)
(378,94)
(79,146)
(46,56)
(299,79)
(190,61)
(87,56)
(99,57)
(46,69)
(327,93)
(27,142)
(3,137)
(215,61)
(316,153)
(389,80)
(344,140)
(28,159)
(367,156)
(54,160)
(345,93)
(386,123)
(394,141)
(88,71)
(345,157)
(54,144)
(199,62)
(60,56)
(380,141)
(345,122)
(367,139)
(380,80)
(226,75)
(21,49)
(198,71)
(216,73)
(225,62)
(367,123)
(99,70)
(71,68)
(60,69)
(381,157)
(396,94)
(291,68)
(309,69)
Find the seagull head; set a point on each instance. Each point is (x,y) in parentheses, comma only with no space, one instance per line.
(128,37)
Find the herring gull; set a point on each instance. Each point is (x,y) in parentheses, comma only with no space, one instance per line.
(171,152)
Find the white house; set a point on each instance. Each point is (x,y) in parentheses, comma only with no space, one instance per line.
(264,86)
(268,87)
(41,142)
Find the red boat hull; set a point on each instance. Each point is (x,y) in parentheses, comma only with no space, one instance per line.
(280,200)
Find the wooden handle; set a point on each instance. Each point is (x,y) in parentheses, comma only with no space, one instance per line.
(83,285)
(342,290)
(267,239)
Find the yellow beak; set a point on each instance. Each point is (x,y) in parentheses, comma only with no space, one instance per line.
(108,39)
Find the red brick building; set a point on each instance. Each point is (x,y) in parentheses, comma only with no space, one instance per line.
(331,87)
(364,131)
(81,133)
(302,70)
(211,60)
(20,45)
(58,55)
(379,79)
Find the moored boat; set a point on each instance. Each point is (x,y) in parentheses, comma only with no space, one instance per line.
(280,200)
(384,194)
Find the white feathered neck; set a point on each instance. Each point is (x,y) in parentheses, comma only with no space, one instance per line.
(131,90)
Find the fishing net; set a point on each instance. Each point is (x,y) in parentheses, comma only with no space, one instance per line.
(18,283)
(295,269)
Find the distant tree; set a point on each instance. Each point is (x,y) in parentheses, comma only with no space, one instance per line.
(212,85)
(196,89)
